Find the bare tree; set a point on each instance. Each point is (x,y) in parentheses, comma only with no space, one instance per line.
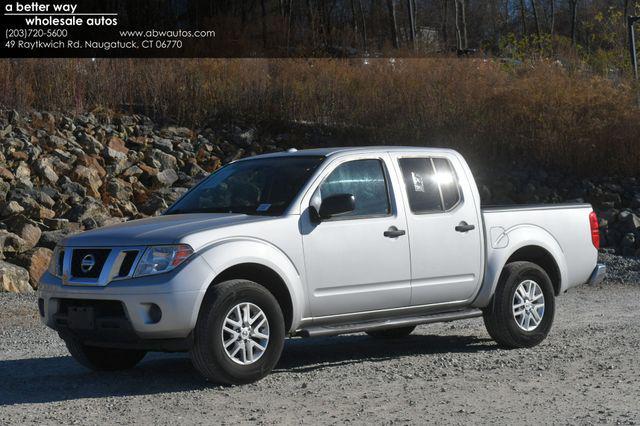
(537,23)
(412,22)
(354,19)
(458,34)
(312,23)
(263,8)
(443,26)
(574,20)
(553,17)
(289,18)
(364,26)
(464,23)
(393,23)
(523,17)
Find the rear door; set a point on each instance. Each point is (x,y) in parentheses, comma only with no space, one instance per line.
(351,265)
(443,226)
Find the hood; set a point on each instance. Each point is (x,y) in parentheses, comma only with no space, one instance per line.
(169,229)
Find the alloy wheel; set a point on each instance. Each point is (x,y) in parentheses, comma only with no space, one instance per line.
(245,333)
(528,305)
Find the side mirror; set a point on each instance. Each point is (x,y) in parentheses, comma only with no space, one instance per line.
(336,205)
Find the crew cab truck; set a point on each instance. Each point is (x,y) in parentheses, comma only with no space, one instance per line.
(314,243)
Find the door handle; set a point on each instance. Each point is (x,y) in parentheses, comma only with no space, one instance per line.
(465,227)
(394,232)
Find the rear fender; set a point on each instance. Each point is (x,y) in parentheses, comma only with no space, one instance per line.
(504,244)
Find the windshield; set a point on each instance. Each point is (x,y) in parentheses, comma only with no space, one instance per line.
(264,186)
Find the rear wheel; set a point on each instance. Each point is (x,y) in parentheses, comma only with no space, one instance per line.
(103,359)
(521,312)
(392,333)
(240,333)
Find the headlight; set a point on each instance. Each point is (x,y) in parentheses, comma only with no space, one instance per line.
(159,259)
(55,264)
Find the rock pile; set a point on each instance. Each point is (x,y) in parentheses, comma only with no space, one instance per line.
(61,175)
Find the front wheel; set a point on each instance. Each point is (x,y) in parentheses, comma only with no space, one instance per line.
(240,333)
(521,312)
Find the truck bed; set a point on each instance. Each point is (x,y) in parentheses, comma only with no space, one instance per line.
(564,226)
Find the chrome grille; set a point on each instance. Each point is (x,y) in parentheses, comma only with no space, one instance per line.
(88,263)
(98,266)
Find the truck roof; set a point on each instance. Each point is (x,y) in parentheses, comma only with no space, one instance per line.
(327,152)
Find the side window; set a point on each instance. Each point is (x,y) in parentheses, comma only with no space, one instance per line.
(422,187)
(365,179)
(430,189)
(448,183)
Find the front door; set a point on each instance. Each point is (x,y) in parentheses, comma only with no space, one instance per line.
(351,265)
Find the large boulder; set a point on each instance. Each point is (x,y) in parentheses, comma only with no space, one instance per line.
(161,160)
(11,208)
(629,222)
(6,174)
(118,145)
(93,163)
(56,142)
(89,178)
(14,279)
(23,172)
(89,143)
(45,169)
(88,208)
(11,244)
(166,178)
(26,229)
(153,206)
(50,239)
(36,262)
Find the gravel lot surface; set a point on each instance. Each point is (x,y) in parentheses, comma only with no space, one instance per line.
(587,371)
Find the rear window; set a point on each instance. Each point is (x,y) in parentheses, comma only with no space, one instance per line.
(421,185)
(431,184)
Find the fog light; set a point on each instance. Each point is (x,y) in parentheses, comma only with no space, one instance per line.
(152,313)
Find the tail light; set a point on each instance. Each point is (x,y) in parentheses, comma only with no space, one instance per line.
(595,231)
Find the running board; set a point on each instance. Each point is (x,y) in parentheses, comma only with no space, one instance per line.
(334,330)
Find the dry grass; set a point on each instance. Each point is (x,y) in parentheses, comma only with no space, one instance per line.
(539,111)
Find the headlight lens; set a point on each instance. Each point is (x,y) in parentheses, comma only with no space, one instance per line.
(55,264)
(159,259)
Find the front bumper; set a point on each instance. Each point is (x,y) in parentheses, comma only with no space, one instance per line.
(598,274)
(177,294)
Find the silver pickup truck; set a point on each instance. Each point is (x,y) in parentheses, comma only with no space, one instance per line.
(315,243)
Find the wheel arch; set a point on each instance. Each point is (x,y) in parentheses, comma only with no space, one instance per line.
(263,263)
(267,278)
(542,258)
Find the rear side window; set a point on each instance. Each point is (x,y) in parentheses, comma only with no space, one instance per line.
(422,188)
(448,181)
(431,184)
(365,180)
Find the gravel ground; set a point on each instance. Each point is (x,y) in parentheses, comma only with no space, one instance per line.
(587,371)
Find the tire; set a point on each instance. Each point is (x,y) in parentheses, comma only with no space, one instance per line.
(103,359)
(503,325)
(208,353)
(392,333)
